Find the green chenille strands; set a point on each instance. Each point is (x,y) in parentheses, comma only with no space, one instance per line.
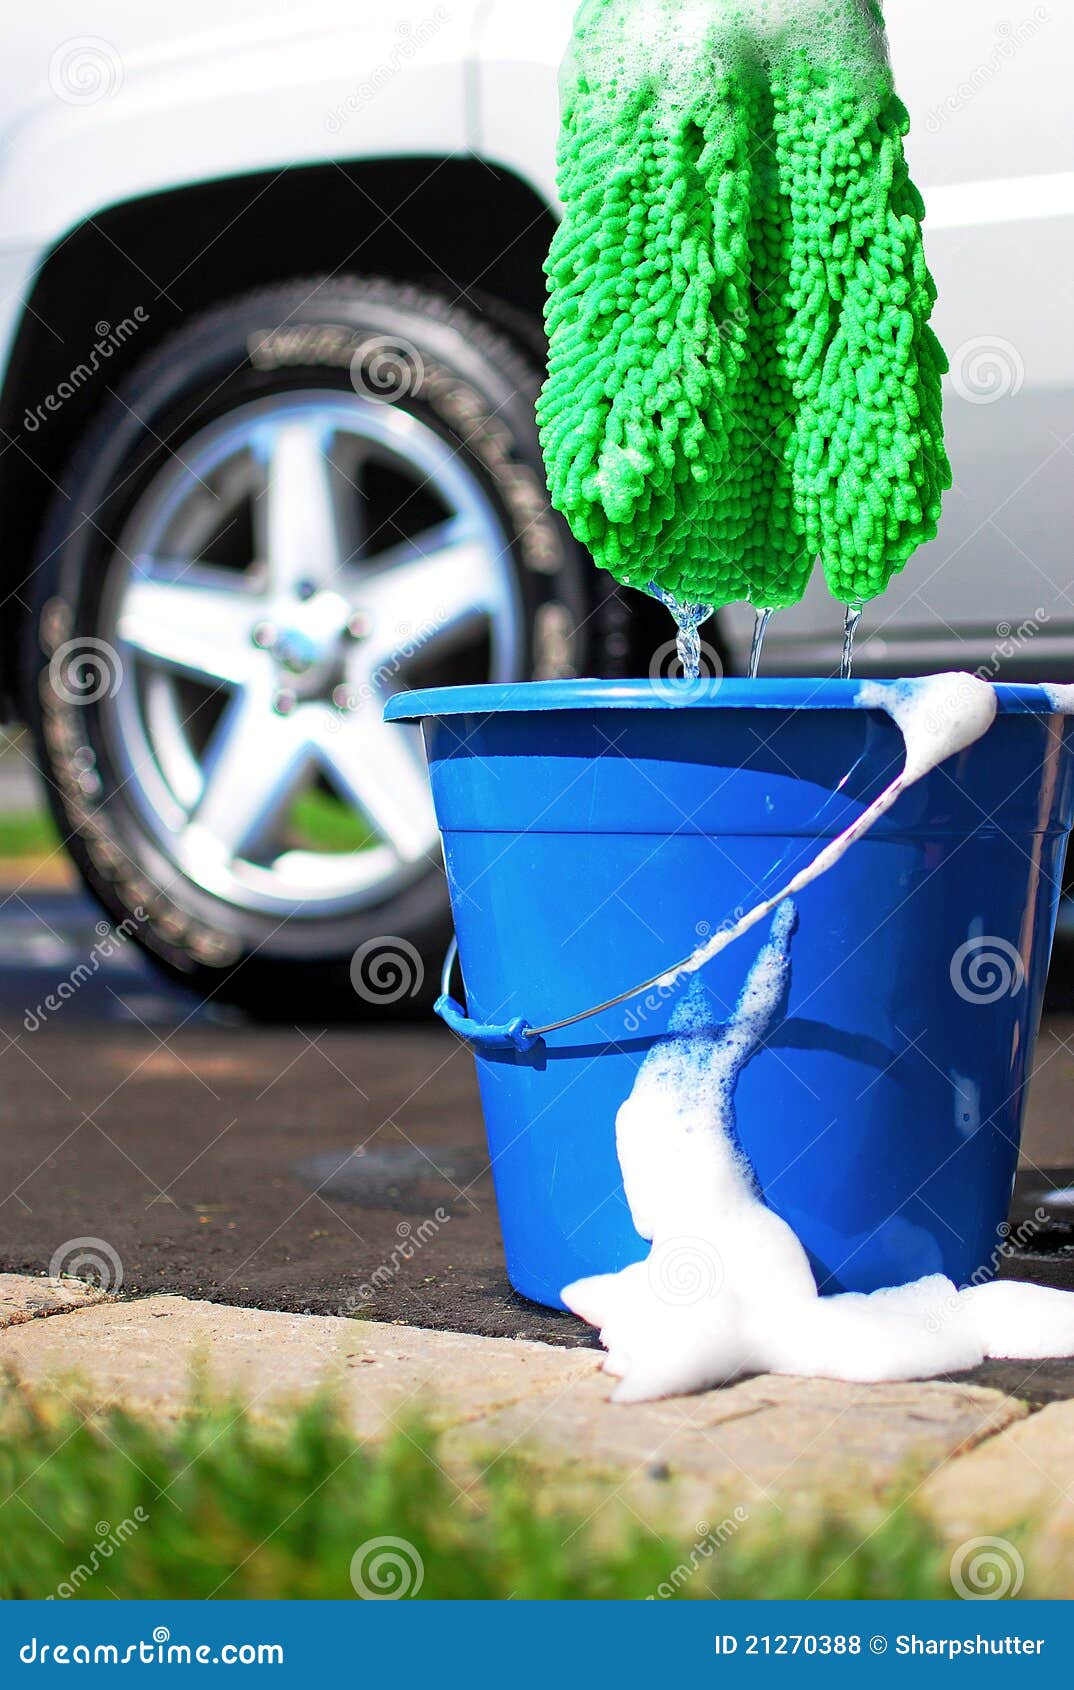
(742,376)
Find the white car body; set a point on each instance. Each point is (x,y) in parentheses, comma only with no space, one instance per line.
(158,100)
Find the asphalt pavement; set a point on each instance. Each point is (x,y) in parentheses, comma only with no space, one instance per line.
(330,1170)
(336,1170)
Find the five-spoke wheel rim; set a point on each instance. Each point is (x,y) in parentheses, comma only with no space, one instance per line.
(262,619)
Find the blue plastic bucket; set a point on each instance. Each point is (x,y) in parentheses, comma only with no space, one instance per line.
(595,832)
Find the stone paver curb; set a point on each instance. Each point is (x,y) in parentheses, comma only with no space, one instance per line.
(146,1355)
(23,1297)
(766,1441)
(1026,1474)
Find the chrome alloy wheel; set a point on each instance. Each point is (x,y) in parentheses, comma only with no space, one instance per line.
(263,613)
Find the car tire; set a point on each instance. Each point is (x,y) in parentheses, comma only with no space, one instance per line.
(124,735)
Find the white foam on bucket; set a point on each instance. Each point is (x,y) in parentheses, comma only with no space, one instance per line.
(1061,698)
(727,1288)
(938,717)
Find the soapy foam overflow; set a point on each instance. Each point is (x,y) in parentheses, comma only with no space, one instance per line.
(727,1288)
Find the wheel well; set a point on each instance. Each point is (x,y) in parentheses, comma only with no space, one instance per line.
(127,277)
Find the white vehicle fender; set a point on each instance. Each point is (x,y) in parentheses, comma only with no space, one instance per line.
(390,81)
(520,48)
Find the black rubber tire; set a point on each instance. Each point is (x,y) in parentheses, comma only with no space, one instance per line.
(478,389)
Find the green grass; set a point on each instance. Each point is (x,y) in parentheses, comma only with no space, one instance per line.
(215,1505)
(318,821)
(27,833)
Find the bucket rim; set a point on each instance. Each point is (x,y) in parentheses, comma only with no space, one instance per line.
(775,693)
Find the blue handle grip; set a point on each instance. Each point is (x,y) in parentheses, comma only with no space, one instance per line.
(512,1035)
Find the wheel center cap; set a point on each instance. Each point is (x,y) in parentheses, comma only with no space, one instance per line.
(295,650)
(308,634)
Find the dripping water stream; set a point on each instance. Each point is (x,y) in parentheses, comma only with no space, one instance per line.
(688,620)
(850,628)
(760,628)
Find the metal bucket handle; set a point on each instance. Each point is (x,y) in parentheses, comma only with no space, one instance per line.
(518,1034)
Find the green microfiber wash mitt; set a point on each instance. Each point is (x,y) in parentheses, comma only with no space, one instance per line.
(742,377)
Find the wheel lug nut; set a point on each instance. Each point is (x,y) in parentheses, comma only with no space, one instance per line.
(284,703)
(342,698)
(264,635)
(358,625)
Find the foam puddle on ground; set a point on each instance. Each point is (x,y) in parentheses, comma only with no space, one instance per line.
(727,1288)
